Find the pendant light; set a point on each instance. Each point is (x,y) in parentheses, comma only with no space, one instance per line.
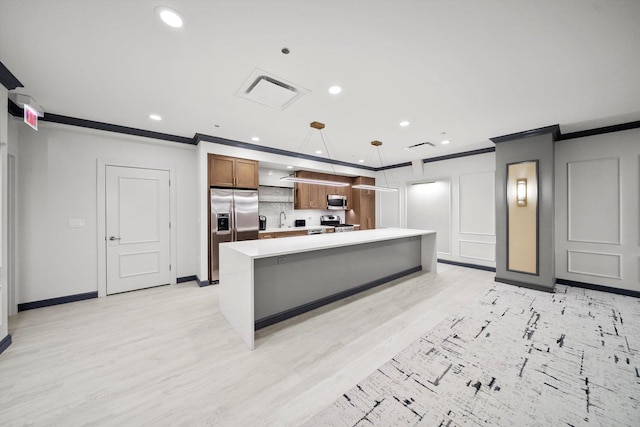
(319,126)
(377,145)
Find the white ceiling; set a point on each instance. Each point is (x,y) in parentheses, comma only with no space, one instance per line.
(472,69)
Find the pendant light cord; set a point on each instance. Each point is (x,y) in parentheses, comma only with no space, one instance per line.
(326,148)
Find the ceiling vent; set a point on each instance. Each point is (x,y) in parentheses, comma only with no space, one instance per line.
(419,148)
(269,90)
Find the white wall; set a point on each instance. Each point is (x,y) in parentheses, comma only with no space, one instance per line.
(4,300)
(272,177)
(57,181)
(57,170)
(12,150)
(459,205)
(597,210)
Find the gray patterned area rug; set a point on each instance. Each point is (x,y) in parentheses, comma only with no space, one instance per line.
(516,357)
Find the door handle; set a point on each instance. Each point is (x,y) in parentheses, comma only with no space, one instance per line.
(114,238)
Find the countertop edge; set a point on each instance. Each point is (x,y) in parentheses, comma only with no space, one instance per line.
(251,248)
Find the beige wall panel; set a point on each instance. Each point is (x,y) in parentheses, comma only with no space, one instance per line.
(522,220)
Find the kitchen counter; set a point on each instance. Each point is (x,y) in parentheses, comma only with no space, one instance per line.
(285,229)
(266,281)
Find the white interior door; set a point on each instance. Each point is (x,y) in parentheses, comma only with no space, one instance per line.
(137,228)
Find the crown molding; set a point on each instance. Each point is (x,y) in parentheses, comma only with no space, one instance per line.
(7,79)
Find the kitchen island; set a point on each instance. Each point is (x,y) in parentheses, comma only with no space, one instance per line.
(266,281)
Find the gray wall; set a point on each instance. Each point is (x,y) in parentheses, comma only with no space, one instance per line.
(540,148)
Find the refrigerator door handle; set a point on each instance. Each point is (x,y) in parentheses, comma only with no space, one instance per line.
(234,230)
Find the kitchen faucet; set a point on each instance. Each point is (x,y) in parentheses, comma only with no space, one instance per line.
(281,221)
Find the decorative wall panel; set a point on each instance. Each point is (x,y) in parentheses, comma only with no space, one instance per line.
(477,206)
(594,201)
(477,250)
(594,264)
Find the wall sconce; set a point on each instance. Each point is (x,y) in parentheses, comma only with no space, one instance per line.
(521,191)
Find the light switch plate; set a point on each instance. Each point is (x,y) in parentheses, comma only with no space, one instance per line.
(76,223)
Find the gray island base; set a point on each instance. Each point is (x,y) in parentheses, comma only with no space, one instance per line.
(266,281)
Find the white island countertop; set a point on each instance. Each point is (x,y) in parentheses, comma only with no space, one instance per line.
(266,281)
(288,245)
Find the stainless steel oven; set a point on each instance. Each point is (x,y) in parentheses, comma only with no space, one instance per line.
(335,222)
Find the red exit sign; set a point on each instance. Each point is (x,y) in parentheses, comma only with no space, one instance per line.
(30,116)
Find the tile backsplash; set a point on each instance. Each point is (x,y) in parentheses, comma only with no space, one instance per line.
(273,200)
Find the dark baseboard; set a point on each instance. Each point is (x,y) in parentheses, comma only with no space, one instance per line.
(187,279)
(602,288)
(279,317)
(5,343)
(202,283)
(524,284)
(464,264)
(56,301)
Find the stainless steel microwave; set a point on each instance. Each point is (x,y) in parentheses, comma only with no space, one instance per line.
(336,202)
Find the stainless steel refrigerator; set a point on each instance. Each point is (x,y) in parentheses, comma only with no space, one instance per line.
(234,217)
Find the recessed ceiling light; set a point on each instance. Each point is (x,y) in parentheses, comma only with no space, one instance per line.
(318,151)
(170,16)
(361,161)
(289,167)
(445,142)
(255,138)
(334,90)
(155,117)
(404,123)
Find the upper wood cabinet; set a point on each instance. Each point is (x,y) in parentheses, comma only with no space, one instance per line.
(364,205)
(342,191)
(309,196)
(227,171)
(312,196)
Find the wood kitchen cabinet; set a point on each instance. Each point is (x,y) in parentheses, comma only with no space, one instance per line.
(363,208)
(312,196)
(233,172)
(342,191)
(278,234)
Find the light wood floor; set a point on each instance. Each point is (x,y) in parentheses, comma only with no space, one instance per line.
(167,356)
